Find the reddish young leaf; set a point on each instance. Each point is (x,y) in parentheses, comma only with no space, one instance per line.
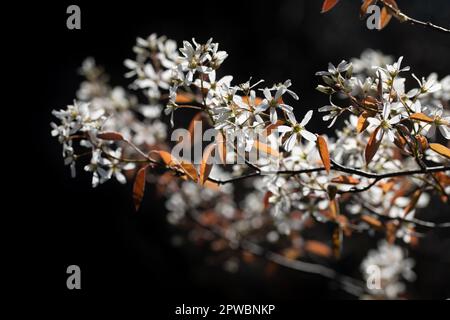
(442,150)
(139,187)
(265,148)
(317,248)
(206,165)
(362,122)
(197,118)
(110,135)
(412,204)
(221,147)
(167,158)
(365,6)
(190,171)
(372,146)
(421,117)
(328,5)
(385,17)
(323,152)
(345,180)
(184,97)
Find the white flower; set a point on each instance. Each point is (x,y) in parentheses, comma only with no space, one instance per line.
(443,123)
(116,166)
(296,130)
(334,112)
(384,124)
(394,69)
(334,71)
(428,85)
(99,175)
(273,103)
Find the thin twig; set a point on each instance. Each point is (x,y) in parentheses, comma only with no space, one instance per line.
(405,18)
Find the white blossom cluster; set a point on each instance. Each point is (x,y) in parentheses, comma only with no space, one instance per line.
(392,268)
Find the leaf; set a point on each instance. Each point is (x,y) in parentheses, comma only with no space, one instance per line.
(206,165)
(346,180)
(221,147)
(190,171)
(197,118)
(412,204)
(370,103)
(328,5)
(372,146)
(323,152)
(421,117)
(317,248)
(139,187)
(365,6)
(110,135)
(442,150)
(385,17)
(362,122)
(184,97)
(167,158)
(265,148)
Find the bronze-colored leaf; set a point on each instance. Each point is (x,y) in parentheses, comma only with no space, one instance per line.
(372,146)
(385,17)
(261,146)
(362,122)
(323,152)
(195,119)
(317,248)
(110,135)
(421,117)
(184,97)
(190,171)
(439,148)
(139,187)
(328,5)
(346,180)
(412,204)
(221,147)
(167,158)
(365,6)
(207,164)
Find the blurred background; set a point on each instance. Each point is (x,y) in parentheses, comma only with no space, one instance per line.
(124,252)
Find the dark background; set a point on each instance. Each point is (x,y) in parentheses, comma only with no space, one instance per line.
(123,253)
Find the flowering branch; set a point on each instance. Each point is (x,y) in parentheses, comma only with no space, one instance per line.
(287,178)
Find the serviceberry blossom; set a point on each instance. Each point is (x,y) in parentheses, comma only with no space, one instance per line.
(296,131)
(304,191)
